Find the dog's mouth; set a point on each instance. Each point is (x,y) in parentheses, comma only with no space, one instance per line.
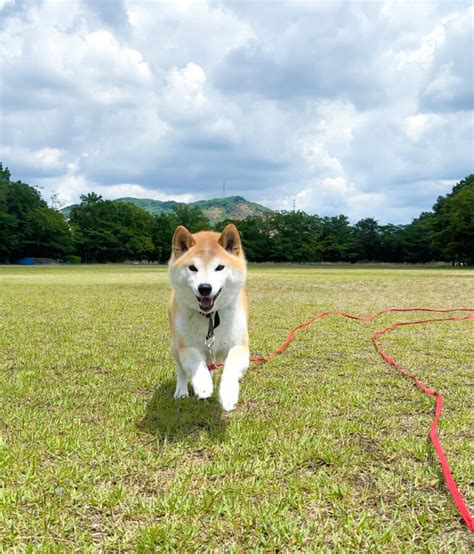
(206,303)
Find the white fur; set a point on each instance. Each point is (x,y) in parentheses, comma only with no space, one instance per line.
(189,326)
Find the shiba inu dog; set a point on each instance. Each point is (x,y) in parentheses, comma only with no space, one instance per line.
(208,311)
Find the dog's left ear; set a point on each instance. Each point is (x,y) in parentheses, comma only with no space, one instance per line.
(230,240)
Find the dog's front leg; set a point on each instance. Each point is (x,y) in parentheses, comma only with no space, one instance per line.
(236,364)
(182,377)
(194,363)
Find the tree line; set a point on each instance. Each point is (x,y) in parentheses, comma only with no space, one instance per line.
(101,230)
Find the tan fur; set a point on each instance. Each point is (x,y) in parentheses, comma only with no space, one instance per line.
(188,327)
(205,245)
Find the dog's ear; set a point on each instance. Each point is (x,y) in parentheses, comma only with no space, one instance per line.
(182,241)
(230,240)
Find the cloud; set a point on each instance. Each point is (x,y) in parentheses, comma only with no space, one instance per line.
(300,64)
(357,108)
(110,13)
(184,97)
(450,79)
(4,3)
(43,162)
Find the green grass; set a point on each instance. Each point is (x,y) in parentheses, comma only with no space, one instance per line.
(327,450)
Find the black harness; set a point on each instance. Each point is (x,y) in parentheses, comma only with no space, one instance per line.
(213,324)
(210,338)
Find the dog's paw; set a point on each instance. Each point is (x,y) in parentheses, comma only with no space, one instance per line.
(202,385)
(181,391)
(229,395)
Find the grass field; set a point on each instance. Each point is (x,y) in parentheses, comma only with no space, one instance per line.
(327,450)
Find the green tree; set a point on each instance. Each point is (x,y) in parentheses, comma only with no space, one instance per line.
(107,231)
(418,240)
(191,217)
(296,237)
(454,222)
(256,235)
(335,238)
(392,243)
(47,234)
(366,241)
(9,239)
(162,229)
(28,227)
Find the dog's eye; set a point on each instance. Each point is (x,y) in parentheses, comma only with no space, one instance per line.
(193,268)
(219,267)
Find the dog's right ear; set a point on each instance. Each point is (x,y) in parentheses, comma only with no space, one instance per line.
(182,241)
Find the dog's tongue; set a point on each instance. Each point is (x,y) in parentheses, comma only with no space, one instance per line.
(206,301)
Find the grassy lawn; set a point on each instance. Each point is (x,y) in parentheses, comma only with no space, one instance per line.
(327,450)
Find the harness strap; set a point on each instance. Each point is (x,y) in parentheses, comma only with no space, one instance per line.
(209,342)
(213,324)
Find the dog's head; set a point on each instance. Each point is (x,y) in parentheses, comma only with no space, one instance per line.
(207,269)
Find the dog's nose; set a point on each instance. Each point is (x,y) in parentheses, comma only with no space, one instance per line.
(205,289)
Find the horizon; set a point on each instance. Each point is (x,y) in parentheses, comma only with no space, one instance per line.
(351,222)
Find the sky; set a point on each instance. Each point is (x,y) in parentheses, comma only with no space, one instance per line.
(360,108)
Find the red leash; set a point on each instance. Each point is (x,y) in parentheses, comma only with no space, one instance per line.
(458,499)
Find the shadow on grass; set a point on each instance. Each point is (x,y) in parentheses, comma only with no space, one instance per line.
(176,420)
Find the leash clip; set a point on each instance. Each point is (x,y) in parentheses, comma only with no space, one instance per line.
(212,354)
(209,344)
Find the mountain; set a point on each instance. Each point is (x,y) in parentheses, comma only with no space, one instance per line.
(230,207)
(155,207)
(217,209)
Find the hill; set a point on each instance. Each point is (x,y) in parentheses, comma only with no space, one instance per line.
(231,207)
(153,206)
(217,209)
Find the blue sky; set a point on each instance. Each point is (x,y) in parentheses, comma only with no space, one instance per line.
(361,108)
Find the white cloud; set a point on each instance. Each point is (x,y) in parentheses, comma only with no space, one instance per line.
(417,126)
(137,191)
(422,55)
(49,158)
(43,161)
(363,109)
(184,95)
(224,129)
(444,85)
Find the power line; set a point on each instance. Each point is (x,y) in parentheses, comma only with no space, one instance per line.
(209,190)
(218,189)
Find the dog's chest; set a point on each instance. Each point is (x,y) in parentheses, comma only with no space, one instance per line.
(230,331)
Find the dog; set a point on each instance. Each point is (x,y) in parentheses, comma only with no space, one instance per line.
(208,312)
